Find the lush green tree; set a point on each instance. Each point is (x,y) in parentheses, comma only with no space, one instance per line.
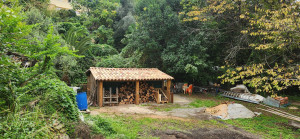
(157,26)
(77,40)
(161,40)
(263,44)
(92,57)
(276,47)
(124,19)
(98,16)
(14,44)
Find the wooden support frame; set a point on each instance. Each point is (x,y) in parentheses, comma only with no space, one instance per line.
(168,92)
(137,92)
(88,86)
(100,94)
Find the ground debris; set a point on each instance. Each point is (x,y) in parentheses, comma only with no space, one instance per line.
(230,111)
(205,133)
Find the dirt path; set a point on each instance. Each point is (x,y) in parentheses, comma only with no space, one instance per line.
(145,109)
(179,99)
(127,109)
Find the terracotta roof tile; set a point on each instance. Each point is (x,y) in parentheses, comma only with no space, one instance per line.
(128,74)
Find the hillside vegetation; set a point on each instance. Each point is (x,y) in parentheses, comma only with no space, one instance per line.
(43,51)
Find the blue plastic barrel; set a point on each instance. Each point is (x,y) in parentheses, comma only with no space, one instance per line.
(81,99)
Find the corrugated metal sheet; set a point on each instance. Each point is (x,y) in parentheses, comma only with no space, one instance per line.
(128,74)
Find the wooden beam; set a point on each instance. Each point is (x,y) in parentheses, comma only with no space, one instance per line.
(137,92)
(168,92)
(157,97)
(100,94)
(163,85)
(88,86)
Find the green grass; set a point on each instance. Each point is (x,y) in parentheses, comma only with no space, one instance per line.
(113,126)
(267,126)
(203,103)
(168,107)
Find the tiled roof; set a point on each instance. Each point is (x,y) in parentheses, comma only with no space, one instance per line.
(128,74)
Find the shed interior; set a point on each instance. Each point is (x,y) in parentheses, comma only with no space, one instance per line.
(124,92)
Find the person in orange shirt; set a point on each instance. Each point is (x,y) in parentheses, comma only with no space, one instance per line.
(190,89)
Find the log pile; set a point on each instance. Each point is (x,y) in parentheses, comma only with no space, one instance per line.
(282,100)
(127,93)
(146,93)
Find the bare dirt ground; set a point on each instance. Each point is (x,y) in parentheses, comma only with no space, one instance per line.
(183,114)
(127,109)
(204,133)
(145,110)
(179,99)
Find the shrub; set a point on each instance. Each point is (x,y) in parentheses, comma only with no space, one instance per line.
(59,97)
(103,126)
(54,96)
(26,125)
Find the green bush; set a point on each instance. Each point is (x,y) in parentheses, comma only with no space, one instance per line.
(54,96)
(57,101)
(103,126)
(26,125)
(59,97)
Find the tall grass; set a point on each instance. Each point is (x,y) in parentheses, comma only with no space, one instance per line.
(267,126)
(32,124)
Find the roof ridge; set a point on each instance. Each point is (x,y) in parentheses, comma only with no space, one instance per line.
(121,68)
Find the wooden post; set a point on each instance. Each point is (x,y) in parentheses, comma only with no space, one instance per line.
(137,92)
(169,91)
(157,97)
(100,94)
(88,85)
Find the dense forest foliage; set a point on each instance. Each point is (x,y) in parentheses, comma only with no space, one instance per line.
(42,51)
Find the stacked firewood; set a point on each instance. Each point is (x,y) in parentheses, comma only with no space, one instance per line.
(282,100)
(127,93)
(146,93)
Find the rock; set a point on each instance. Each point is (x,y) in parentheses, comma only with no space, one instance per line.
(238,111)
(240,89)
(230,111)
(257,113)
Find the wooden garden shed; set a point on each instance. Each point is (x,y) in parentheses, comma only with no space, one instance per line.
(127,86)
